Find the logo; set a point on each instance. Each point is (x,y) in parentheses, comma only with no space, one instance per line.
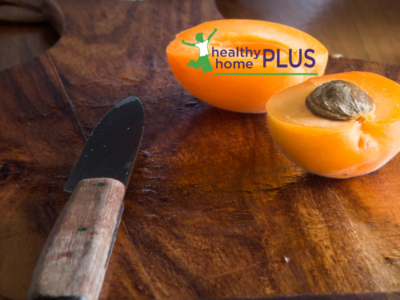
(203,61)
(283,58)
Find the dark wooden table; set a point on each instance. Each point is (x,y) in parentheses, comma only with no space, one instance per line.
(360,29)
(21,42)
(213,210)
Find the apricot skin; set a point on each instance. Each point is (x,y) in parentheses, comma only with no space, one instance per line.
(344,149)
(248,94)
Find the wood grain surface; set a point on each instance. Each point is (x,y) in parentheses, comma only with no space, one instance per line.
(361,29)
(213,210)
(22,42)
(75,257)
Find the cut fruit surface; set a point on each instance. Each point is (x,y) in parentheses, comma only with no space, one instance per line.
(337,148)
(244,93)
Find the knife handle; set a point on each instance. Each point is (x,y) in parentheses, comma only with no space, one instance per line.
(74,259)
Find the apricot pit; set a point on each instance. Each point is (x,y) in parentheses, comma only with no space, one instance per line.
(339,100)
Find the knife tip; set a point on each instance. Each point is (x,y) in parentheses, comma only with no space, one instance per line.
(128,100)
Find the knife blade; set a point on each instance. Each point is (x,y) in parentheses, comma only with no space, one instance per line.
(75,256)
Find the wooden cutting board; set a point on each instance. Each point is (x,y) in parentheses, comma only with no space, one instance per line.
(213,209)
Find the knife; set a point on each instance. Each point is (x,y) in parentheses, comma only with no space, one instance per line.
(75,256)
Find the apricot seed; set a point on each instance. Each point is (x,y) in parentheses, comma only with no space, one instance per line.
(339,100)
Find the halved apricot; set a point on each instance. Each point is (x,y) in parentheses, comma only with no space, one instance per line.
(196,68)
(334,148)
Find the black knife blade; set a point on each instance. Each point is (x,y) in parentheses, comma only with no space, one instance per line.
(112,146)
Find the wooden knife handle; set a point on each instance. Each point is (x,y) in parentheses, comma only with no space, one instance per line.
(74,259)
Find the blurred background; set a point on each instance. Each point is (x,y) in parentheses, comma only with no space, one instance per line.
(24,33)
(361,29)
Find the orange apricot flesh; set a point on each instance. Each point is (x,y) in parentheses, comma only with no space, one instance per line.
(243,93)
(338,149)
